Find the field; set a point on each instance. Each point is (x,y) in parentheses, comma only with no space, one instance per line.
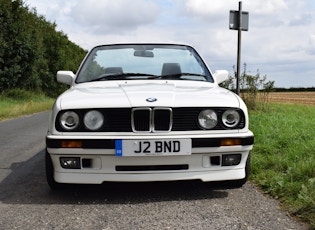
(305,98)
(283,157)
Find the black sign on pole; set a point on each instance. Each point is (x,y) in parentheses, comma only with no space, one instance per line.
(234,22)
(238,21)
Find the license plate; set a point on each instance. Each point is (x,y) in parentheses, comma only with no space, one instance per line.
(171,147)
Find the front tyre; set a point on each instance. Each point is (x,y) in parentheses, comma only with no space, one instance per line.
(50,173)
(231,184)
(241,182)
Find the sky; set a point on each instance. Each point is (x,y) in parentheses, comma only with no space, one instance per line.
(280,42)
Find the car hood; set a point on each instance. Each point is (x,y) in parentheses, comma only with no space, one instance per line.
(124,94)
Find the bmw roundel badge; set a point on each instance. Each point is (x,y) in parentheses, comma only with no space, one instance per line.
(151,99)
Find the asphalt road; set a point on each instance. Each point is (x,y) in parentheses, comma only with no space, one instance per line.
(26,201)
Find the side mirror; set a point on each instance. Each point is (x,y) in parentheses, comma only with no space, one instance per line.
(221,76)
(65,77)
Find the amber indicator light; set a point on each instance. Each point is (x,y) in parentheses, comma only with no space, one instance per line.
(71,144)
(230,142)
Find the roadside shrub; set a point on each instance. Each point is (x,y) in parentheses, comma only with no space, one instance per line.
(254,89)
(19,94)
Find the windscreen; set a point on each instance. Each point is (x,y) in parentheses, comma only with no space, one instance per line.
(132,62)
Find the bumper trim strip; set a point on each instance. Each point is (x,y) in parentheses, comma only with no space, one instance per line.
(110,143)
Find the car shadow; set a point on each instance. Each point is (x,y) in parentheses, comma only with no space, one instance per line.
(26,184)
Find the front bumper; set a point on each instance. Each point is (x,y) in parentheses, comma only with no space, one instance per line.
(99,163)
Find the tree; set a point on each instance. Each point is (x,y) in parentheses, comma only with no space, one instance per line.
(32,51)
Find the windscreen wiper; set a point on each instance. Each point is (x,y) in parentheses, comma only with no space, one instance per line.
(124,76)
(179,75)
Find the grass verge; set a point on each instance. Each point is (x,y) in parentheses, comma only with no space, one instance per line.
(17,103)
(283,158)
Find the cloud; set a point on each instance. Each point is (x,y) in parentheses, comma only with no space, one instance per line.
(109,16)
(53,9)
(207,8)
(266,7)
(301,19)
(312,44)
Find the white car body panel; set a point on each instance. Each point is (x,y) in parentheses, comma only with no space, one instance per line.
(170,93)
(134,94)
(200,169)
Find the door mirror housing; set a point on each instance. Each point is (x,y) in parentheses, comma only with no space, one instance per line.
(65,77)
(221,76)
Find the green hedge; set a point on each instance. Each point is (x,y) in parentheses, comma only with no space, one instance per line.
(32,51)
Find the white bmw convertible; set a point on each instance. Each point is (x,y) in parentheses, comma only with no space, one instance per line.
(147,112)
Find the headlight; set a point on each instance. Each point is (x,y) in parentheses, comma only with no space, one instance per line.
(231,118)
(93,120)
(207,119)
(69,120)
